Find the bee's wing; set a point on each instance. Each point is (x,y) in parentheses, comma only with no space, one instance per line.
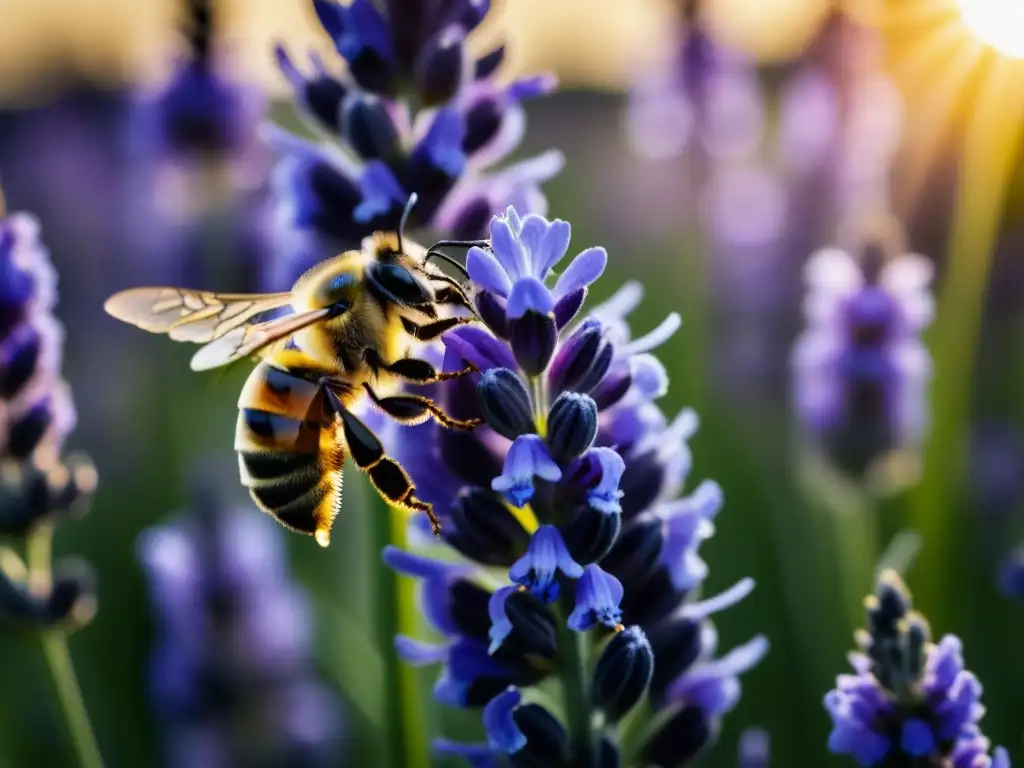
(196,316)
(249,339)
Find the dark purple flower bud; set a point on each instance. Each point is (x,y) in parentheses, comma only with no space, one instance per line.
(636,551)
(485,530)
(567,307)
(576,357)
(533,338)
(612,389)
(368,127)
(608,754)
(677,645)
(30,496)
(19,356)
(572,426)
(72,600)
(520,626)
(505,403)
(492,310)
(440,67)
(483,121)
(365,43)
(682,737)
(527,733)
(590,533)
(488,64)
(623,673)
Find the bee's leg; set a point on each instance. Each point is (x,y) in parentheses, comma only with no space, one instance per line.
(391,481)
(415,409)
(412,369)
(451,293)
(432,331)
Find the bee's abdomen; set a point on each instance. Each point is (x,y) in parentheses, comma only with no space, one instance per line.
(291,466)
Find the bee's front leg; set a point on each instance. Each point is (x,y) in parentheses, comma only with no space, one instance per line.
(434,330)
(413,370)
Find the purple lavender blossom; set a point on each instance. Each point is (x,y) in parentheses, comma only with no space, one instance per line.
(909,699)
(860,369)
(232,676)
(37,486)
(755,749)
(704,96)
(574,488)
(413,112)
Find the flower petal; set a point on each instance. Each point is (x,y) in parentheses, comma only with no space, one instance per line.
(480,348)
(485,270)
(501,625)
(584,270)
(418,653)
(502,732)
(529,295)
(598,595)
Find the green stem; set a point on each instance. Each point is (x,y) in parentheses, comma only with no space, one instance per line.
(58,657)
(991,148)
(575,651)
(405,736)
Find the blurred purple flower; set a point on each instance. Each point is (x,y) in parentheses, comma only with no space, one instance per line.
(703,96)
(909,699)
(1011,575)
(233,675)
(755,749)
(860,369)
(414,112)
(37,487)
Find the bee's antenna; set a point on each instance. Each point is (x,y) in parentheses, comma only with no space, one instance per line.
(405,220)
(433,251)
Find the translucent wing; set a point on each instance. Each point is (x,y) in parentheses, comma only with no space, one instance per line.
(196,316)
(250,339)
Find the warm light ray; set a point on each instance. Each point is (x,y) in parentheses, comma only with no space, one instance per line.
(998,23)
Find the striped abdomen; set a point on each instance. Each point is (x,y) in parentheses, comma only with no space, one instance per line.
(290,452)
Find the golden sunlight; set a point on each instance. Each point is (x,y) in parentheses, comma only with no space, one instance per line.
(999,23)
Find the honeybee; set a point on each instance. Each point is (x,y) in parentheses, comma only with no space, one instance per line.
(354,322)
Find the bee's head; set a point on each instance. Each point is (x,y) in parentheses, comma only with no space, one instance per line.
(396,278)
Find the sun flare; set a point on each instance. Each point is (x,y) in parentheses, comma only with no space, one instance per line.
(998,23)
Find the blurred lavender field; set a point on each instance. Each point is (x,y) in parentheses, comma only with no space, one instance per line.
(711,167)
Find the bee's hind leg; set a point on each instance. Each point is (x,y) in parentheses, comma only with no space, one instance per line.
(415,409)
(390,480)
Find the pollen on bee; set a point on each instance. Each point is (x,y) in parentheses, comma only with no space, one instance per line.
(323,537)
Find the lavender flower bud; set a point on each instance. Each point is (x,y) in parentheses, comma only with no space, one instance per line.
(590,533)
(440,67)
(368,127)
(684,736)
(533,337)
(572,426)
(576,357)
(623,673)
(505,403)
(72,601)
(485,529)
(30,496)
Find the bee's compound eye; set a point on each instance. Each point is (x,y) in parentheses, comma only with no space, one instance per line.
(399,285)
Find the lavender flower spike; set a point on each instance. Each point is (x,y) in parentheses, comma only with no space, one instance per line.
(38,487)
(909,699)
(572,487)
(860,368)
(408,110)
(235,644)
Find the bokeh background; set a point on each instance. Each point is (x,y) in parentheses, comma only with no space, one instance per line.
(720,240)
